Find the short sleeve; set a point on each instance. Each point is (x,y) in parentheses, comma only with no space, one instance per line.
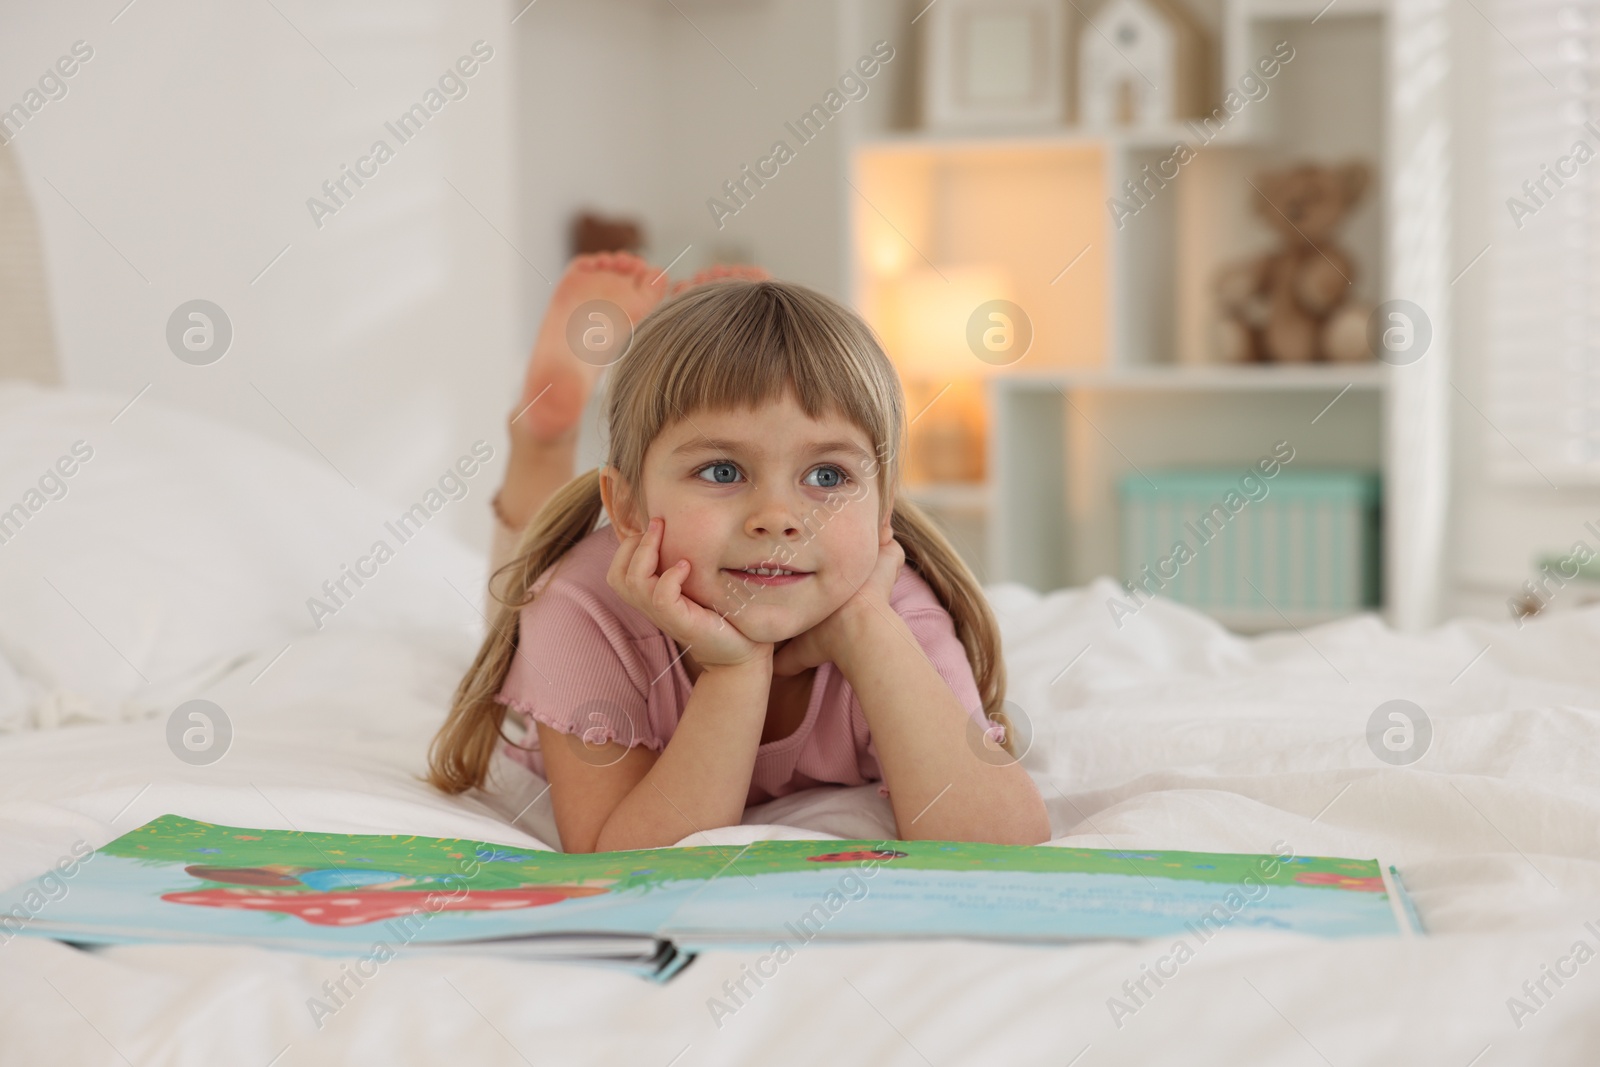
(935,631)
(578,670)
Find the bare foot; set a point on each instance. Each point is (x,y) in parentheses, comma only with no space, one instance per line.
(558,382)
(711,274)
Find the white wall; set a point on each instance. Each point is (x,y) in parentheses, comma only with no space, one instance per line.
(643,108)
(395,334)
(590,136)
(719,121)
(646,107)
(590,127)
(178,166)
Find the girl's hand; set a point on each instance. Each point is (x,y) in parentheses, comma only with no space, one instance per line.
(818,644)
(715,640)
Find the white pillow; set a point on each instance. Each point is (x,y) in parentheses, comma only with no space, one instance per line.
(143,558)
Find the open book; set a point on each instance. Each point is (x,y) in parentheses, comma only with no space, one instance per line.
(650,910)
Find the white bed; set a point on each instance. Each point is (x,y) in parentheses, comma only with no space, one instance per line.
(178,564)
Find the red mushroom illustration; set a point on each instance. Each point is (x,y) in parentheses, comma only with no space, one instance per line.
(353,909)
(858,856)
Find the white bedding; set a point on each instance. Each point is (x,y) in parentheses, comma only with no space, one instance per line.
(1168,733)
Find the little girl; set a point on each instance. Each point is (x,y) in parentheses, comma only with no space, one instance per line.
(762,614)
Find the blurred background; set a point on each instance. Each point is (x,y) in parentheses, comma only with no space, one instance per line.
(1278,307)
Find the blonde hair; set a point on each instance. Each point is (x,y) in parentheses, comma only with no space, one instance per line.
(724,345)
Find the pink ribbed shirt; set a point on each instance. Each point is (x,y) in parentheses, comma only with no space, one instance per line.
(589,664)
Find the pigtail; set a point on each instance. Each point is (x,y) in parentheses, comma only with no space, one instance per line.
(932,556)
(459,757)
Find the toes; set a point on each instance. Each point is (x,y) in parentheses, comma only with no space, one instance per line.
(643,271)
(719,271)
(626,264)
(630,265)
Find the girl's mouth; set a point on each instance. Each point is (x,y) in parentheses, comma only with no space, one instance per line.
(768,579)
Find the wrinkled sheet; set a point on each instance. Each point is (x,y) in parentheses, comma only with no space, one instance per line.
(1166,733)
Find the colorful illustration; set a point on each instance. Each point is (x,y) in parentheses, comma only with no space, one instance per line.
(1367,883)
(350,896)
(321,879)
(858,856)
(174,841)
(350,909)
(178,879)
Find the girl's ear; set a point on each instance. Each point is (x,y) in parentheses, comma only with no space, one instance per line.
(618,501)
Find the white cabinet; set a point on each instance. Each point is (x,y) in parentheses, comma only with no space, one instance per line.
(1122,373)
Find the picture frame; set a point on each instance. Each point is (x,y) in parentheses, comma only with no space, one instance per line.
(994,62)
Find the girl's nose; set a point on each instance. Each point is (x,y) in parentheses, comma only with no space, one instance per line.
(771,523)
(777,513)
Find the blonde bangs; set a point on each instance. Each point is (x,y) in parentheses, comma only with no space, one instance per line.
(739,345)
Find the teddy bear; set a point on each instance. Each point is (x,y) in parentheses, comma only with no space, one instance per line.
(1295,305)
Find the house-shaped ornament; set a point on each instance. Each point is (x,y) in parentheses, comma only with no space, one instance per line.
(1140,63)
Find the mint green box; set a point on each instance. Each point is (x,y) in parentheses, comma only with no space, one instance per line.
(1307,539)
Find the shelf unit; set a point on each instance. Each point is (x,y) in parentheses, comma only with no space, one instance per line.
(1121,374)
(1058,442)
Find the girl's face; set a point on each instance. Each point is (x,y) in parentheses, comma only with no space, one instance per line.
(740,488)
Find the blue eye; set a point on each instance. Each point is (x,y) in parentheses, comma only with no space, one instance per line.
(717,466)
(838,474)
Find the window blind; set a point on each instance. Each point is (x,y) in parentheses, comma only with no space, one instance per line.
(1543,385)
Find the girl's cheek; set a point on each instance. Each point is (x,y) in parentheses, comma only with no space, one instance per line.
(702,577)
(672,550)
(710,590)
